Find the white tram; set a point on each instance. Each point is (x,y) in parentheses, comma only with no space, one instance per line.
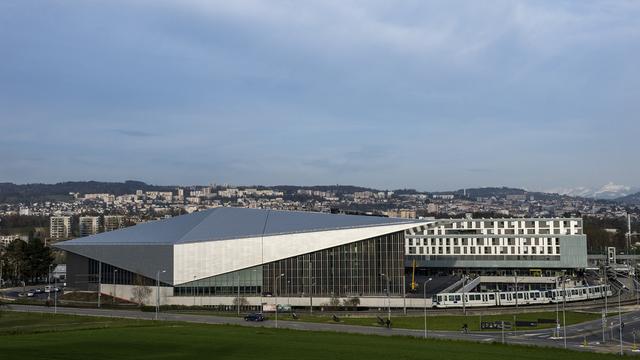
(511,298)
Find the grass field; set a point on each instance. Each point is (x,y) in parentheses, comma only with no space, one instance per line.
(75,337)
(440,322)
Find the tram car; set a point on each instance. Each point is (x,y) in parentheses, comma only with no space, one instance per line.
(512,298)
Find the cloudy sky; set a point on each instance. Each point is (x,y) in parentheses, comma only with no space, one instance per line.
(429,95)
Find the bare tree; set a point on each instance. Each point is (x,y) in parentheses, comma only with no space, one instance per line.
(334,301)
(140,291)
(352,302)
(242,301)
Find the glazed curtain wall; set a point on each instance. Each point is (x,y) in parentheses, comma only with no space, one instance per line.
(348,270)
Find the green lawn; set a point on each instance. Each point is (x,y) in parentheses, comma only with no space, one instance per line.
(440,322)
(78,337)
(454,322)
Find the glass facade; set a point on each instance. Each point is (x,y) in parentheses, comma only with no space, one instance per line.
(114,275)
(348,270)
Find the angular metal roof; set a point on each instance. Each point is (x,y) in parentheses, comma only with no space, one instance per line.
(231,223)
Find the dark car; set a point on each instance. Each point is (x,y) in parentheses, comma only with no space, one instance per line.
(254,317)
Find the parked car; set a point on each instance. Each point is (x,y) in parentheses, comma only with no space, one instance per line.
(255,317)
(30,294)
(38,291)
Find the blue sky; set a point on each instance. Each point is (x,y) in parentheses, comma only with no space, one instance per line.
(390,94)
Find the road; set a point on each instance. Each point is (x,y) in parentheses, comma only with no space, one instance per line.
(591,331)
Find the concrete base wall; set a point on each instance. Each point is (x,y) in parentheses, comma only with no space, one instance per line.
(167,298)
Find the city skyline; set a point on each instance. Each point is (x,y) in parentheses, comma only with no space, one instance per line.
(436,97)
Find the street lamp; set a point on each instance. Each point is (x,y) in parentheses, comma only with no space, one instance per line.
(49,283)
(311,297)
(193,293)
(564,302)
(158,291)
(620,321)
(388,298)
(424,287)
(115,288)
(276,282)
(55,296)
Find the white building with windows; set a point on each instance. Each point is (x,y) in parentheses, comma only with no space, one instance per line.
(89,225)
(499,243)
(60,227)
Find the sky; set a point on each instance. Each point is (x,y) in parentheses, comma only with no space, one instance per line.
(431,95)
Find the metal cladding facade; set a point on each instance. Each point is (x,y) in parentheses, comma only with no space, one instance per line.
(221,242)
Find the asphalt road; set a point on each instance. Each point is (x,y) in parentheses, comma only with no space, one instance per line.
(591,331)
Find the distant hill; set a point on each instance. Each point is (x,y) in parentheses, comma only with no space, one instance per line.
(499,192)
(632,199)
(14,193)
(609,191)
(340,189)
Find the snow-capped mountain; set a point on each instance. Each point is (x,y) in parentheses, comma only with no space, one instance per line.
(608,191)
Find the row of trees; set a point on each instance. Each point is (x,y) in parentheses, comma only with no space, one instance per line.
(28,262)
(598,239)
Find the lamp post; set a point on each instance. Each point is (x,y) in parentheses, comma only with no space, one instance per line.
(424,287)
(564,301)
(49,283)
(311,297)
(557,328)
(158,291)
(388,298)
(193,293)
(115,288)
(277,290)
(55,296)
(238,295)
(515,277)
(620,321)
(99,282)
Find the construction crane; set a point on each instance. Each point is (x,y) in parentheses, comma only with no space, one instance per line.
(414,284)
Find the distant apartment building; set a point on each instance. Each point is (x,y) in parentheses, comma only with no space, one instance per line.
(498,244)
(107,198)
(60,227)
(89,225)
(113,222)
(5,240)
(402,213)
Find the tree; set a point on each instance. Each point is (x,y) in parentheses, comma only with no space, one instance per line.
(352,302)
(242,301)
(334,301)
(14,260)
(37,259)
(140,291)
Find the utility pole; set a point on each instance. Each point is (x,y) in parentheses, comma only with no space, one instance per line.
(564,302)
(388,297)
(620,321)
(311,284)
(277,288)
(515,277)
(629,233)
(99,281)
(424,287)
